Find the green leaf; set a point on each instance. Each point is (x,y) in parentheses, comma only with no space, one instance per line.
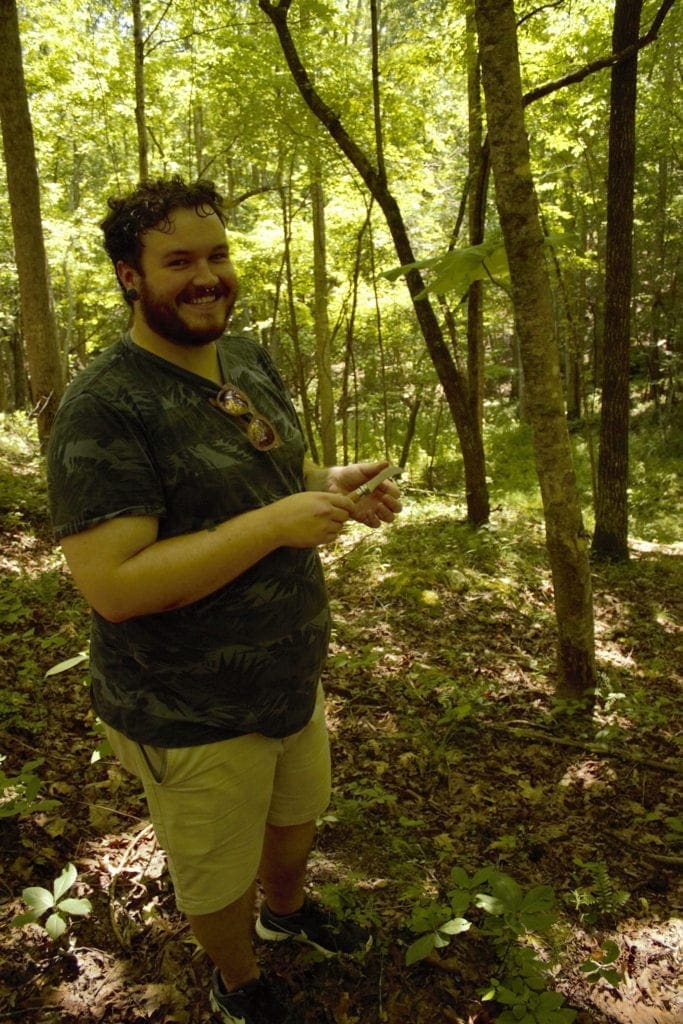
(78,908)
(64,881)
(507,996)
(55,926)
(455,926)
(30,917)
(419,949)
(460,878)
(489,903)
(611,951)
(64,666)
(508,891)
(38,899)
(550,1001)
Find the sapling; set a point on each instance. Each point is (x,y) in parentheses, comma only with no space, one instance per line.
(61,907)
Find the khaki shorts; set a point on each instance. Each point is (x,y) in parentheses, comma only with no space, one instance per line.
(210,805)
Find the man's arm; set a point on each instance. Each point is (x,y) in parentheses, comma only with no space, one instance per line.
(125,572)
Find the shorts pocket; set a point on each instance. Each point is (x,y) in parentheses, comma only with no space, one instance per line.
(156,759)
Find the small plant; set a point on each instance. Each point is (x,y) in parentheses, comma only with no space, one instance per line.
(62,907)
(602,965)
(435,930)
(19,794)
(600,897)
(517,923)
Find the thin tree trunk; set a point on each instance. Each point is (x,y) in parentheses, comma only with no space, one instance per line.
(453,382)
(328,428)
(610,539)
(38,325)
(478,165)
(517,203)
(140,99)
(294,326)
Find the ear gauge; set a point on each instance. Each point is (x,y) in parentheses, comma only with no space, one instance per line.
(132,294)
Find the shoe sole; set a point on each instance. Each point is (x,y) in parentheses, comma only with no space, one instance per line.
(218,1009)
(268,935)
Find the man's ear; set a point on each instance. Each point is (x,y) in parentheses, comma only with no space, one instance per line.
(128,276)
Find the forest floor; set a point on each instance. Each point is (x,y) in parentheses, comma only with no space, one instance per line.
(449,752)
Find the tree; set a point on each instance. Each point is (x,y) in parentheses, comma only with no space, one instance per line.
(140,97)
(374,176)
(328,433)
(38,321)
(610,538)
(566,539)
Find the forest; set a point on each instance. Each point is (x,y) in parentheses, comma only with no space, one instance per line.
(456,225)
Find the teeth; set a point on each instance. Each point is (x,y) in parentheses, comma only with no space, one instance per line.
(203,300)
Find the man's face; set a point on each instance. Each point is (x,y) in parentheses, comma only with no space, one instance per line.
(187,284)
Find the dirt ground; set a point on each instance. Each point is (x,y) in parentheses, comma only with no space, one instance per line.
(447,752)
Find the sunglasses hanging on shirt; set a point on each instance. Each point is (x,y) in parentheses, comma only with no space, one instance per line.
(260,431)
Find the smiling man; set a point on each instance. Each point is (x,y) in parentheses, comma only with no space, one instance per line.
(190,519)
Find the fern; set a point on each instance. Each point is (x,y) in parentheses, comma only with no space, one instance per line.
(601,896)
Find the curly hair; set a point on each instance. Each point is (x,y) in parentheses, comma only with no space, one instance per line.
(149,205)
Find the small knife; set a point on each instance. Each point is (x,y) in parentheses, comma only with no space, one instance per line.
(370,485)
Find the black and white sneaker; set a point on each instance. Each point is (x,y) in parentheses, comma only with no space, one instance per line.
(263,1001)
(316,926)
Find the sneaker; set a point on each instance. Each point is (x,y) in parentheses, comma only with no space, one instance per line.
(315,926)
(262,1001)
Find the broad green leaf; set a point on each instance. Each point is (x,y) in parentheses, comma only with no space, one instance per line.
(76,907)
(28,918)
(460,878)
(489,903)
(38,898)
(455,926)
(507,996)
(508,891)
(611,951)
(550,1001)
(64,881)
(419,949)
(55,926)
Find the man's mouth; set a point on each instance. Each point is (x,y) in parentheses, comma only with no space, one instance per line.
(203,298)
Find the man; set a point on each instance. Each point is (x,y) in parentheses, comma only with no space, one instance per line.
(190,520)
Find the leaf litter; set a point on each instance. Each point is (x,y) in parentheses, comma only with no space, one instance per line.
(449,751)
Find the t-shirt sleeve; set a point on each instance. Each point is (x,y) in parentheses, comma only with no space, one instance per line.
(98,467)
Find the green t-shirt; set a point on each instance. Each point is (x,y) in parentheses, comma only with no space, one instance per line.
(137,435)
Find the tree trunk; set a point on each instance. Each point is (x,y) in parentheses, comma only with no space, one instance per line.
(413,404)
(38,325)
(478,166)
(517,203)
(453,382)
(294,326)
(140,99)
(328,430)
(610,539)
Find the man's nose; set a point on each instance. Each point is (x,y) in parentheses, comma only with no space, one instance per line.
(204,273)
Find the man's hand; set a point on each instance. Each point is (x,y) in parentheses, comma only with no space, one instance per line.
(382,506)
(311,518)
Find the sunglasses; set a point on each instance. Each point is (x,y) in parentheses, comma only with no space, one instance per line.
(259,430)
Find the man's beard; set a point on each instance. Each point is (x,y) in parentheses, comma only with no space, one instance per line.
(165,320)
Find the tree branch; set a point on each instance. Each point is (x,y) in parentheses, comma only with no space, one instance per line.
(602,62)
(278,15)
